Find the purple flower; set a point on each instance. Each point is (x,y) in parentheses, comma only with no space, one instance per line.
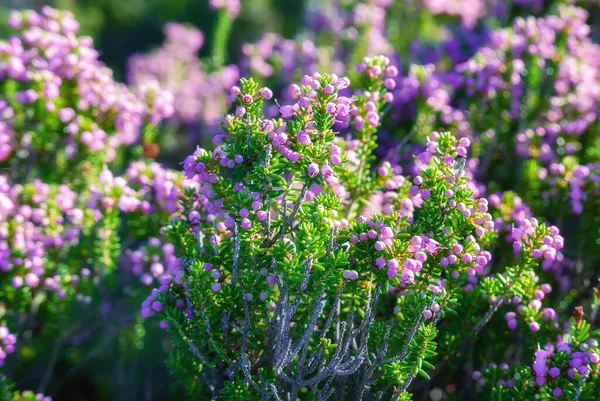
(326,170)
(266,93)
(286,111)
(313,170)
(350,274)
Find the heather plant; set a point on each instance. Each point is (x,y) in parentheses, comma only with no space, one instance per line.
(65,217)
(42,217)
(558,141)
(565,369)
(426,226)
(521,282)
(54,85)
(510,99)
(287,291)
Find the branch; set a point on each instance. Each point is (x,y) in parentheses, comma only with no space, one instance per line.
(460,169)
(236,255)
(289,220)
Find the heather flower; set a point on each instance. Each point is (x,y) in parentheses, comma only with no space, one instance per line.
(197,94)
(48,58)
(231,7)
(7,343)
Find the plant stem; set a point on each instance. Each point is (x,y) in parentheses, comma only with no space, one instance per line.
(221,40)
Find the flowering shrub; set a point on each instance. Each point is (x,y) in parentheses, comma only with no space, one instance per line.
(407,212)
(64,216)
(290,262)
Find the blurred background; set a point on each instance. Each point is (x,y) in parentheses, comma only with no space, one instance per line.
(124,362)
(121,28)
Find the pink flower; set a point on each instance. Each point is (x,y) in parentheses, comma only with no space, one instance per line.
(266,93)
(313,170)
(350,274)
(326,170)
(342,83)
(332,109)
(380,262)
(286,111)
(408,276)
(303,138)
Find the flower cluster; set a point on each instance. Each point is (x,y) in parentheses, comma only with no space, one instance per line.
(199,95)
(439,185)
(507,74)
(37,221)
(44,63)
(7,343)
(154,261)
(560,369)
(562,359)
(66,122)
